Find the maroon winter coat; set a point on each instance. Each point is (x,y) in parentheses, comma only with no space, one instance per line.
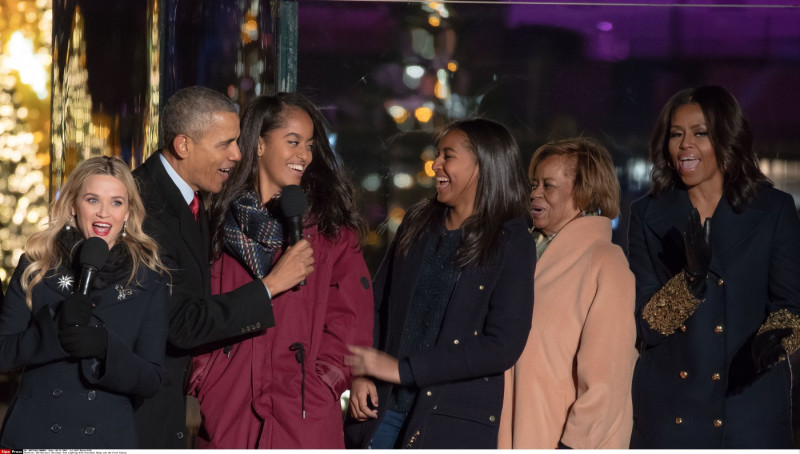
(260,378)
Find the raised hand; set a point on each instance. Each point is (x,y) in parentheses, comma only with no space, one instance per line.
(293,266)
(697,246)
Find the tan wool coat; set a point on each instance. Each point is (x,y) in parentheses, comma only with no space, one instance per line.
(572,383)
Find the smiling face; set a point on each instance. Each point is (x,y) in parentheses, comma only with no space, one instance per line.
(690,149)
(552,203)
(209,159)
(101,208)
(285,153)
(456,169)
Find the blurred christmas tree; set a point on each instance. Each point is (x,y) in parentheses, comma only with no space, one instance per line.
(25,40)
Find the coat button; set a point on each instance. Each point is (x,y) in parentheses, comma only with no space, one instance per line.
(91,395)
(492,418)
(179,435)
(683,328)
(258,325)
(720,282)
(678,420)
(684,374)
(715,376)
(429,394)
(480,287)
(717,423)
(57,392)
(476,332)
(89,431)
(55,428)
(718,329)
(455,341)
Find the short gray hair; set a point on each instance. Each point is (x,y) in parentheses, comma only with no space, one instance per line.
(189,111)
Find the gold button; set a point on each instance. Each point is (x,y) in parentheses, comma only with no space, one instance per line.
(429,394)
(720,282)
(717,423)
(678,420)
(718,329)
(715,376)
(492,418)
(455,341)
(684,374)
(480,287)
(683,328)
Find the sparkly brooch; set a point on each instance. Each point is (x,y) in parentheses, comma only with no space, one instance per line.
(123,292)
(65,282)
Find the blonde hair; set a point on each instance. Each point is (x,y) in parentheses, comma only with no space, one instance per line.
(41,248)
(595,184)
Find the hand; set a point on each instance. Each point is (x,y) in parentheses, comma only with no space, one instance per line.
(75,310)
(293,266)
(697,246)
(372,362)
(84,341)
(362,394)
(767,349)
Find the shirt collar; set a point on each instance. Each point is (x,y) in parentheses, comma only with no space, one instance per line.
(186,190)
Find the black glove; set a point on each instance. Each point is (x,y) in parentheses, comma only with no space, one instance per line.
(75,310)
(767,348)
(84,341)
(697,245)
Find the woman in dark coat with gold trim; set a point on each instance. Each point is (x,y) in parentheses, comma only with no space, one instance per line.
(718,301)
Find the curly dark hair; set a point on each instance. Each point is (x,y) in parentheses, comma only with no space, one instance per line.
(331,195)
(730,136)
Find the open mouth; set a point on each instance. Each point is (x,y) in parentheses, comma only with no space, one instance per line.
(225,172)
(297,167)
(442,182)
(101,228)
(688,164)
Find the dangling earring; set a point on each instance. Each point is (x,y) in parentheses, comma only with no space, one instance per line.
(123,234)
(70,222)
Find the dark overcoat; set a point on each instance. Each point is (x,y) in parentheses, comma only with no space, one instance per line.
(81,404)
(697,388)
(195,317)
(484,330)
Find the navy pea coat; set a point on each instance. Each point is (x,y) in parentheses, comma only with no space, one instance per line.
(64,402)
(697,388)
(484,330)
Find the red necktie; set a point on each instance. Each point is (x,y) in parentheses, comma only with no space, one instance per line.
(195,206)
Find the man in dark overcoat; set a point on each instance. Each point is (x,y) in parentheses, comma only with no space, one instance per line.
(199,129)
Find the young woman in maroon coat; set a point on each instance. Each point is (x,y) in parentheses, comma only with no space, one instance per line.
(280,388)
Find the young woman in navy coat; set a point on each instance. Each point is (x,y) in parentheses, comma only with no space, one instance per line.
(718,303)
(454,299)
(85,359)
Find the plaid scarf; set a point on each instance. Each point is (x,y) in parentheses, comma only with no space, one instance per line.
(252,234)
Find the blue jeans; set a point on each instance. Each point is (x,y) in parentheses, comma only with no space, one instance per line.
(388,430)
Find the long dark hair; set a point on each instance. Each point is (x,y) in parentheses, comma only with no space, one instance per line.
(730,136)
(501,194)
(331,195)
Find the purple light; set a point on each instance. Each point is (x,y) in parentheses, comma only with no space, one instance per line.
(605,26)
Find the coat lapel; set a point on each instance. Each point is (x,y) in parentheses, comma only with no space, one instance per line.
(732,229)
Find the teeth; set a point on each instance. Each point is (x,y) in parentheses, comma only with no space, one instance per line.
(297,167)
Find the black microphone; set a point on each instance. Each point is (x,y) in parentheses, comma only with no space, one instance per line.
(94,252)
(293,205)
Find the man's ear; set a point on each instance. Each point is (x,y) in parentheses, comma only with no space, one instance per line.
(181,145)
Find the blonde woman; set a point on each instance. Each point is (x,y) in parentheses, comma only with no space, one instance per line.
(85,359)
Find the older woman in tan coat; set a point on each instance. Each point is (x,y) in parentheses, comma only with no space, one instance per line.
(571,386)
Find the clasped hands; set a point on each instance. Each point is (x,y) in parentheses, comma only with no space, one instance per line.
(76,336)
